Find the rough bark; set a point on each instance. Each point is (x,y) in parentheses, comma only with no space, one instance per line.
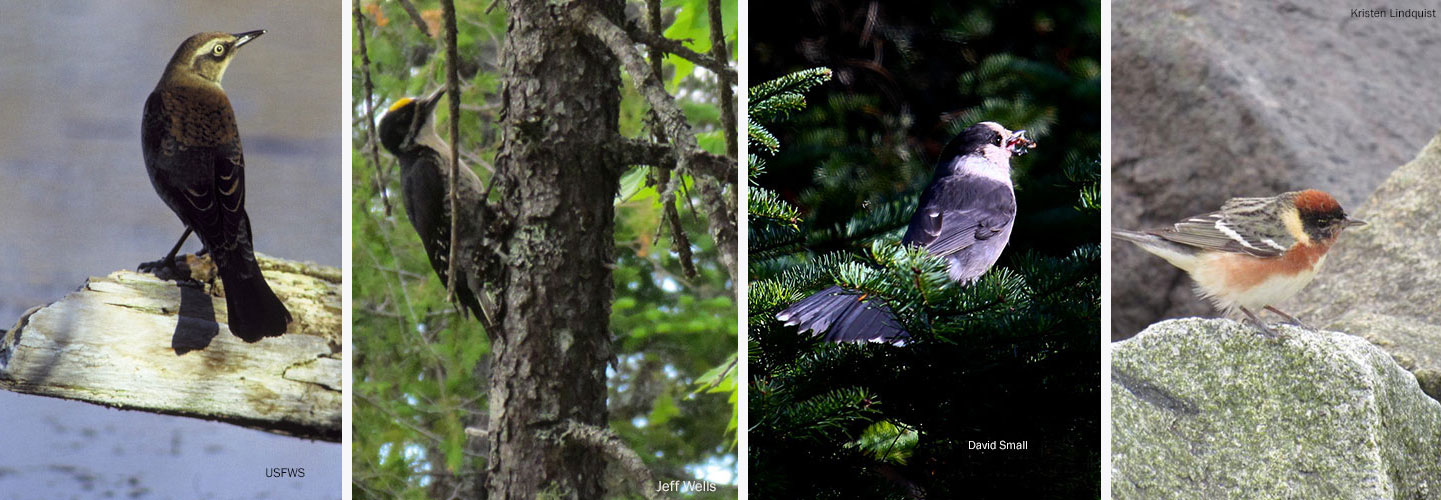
(135,341)
(560,99)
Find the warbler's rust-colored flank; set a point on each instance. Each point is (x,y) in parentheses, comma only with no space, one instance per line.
(1244,271)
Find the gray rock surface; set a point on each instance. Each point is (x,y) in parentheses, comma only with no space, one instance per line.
(1383,282)
(1210,408)
(1212,100)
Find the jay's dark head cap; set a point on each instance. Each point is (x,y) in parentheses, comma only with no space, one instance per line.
(989,139)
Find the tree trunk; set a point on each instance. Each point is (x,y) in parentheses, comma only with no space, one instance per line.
(560,98)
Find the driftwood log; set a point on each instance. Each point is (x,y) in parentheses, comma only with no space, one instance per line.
(138,342)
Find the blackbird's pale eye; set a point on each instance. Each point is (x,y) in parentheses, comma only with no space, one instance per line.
(219,49)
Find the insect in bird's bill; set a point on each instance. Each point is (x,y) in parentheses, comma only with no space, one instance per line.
(1254,252)
(192,151)
(965,216)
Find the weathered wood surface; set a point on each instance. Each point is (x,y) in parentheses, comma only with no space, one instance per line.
(137,342)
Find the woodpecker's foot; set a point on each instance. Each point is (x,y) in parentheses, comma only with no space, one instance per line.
(1290,319)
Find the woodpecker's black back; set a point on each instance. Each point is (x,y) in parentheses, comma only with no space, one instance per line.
(965,215)
(193,154)
(408,133)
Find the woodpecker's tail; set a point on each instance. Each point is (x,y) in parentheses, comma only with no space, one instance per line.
(254,311)
(1179,255)
(844,316)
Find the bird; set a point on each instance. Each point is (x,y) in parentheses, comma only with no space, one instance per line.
(1253,252)
(192,152)
(965,215)
(408,131)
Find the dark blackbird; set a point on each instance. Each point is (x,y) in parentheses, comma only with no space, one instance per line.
(192,151)
(964,215)
(408,131)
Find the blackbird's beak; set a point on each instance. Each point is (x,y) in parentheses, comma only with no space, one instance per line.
(246,37)
(1351,222)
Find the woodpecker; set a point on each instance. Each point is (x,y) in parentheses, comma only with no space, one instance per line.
(192,152)
(1253,252)
(964,215)
(408,131)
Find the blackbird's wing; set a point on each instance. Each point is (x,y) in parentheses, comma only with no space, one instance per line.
(200,175)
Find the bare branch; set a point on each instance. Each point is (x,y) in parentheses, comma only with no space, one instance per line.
(721,209)
(415,17)
(639,152)
(452,77)
(656,41)
(380,181)
(647,82)
(727,95)
(605,441)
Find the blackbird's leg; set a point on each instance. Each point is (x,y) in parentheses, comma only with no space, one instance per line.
(168,262)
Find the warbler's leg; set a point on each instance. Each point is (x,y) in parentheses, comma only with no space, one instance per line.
(1290,318)
(1260,324)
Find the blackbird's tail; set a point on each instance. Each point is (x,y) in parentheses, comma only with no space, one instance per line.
(254,311)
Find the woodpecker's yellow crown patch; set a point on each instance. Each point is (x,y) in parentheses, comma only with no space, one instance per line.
(401,103)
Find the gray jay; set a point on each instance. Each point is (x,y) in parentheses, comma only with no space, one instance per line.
(964,215)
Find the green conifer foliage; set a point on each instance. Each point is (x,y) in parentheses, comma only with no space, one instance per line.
(836,170)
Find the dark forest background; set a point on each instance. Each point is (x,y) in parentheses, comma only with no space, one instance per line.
(1015,357)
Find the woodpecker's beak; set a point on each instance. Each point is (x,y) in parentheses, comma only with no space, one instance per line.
(1019,144)
(427,104)
(246,37)
(1350,222)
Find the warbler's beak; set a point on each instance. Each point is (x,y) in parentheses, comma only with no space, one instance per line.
(1350,222)
(246,37)
(1019,144)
